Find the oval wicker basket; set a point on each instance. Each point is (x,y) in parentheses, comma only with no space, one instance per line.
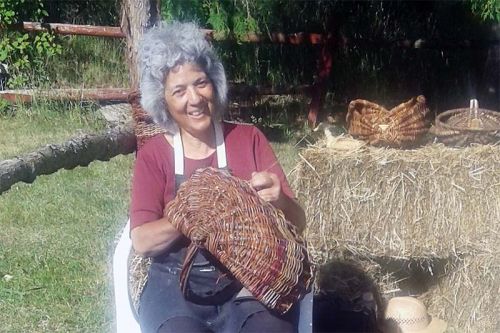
(461,127)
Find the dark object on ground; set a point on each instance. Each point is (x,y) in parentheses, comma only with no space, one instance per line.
(348,299)
(329,316)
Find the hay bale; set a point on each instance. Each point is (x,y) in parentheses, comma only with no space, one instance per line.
(420,222)
(138,268)
(468,296)
(434,201)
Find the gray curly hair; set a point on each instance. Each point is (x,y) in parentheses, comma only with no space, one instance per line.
(165,46)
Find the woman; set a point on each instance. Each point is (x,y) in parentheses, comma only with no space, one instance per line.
(183,87)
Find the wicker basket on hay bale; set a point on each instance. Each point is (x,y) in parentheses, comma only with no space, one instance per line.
(432,211)
(461,127)
(399,127)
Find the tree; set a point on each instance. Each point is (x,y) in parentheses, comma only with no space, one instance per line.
(136,16)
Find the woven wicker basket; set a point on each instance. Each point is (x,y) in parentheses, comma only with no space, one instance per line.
(145,127)
(462,127)
(249,236)
(401,126)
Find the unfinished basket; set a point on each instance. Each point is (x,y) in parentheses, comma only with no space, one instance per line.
(401,126)
(249,236)
(461,127)
(145,127)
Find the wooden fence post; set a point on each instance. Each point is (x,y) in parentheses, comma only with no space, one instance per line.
(318,90)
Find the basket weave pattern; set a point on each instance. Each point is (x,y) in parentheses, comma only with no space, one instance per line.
(145,127)
(400,126)
(461,127)
(252,238)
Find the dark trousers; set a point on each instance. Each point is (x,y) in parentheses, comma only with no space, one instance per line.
(163,308)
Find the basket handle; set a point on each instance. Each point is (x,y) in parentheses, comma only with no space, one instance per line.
(186,267)
(473,106)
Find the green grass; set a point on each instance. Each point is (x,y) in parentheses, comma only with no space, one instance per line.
(56,242)
(89,62)
(25,128)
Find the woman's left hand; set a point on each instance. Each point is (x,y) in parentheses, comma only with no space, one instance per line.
(267,185)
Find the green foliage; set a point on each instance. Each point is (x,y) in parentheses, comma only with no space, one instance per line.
(93,12)
(5,107)
(486,9)
(25,53)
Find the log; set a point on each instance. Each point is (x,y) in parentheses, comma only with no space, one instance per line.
(121,94)
(92,94)
(72,29)
(282,38)
(297,38)
(78,151)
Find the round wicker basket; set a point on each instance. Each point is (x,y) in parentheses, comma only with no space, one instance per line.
(461,127)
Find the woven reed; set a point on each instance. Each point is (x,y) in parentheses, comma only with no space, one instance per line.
(246,234)
(401,126)
(461,127)
(145,128)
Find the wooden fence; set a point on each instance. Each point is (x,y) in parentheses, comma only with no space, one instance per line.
(316,90)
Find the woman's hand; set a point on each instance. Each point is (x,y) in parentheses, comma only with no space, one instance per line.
(153,238)
(267,185)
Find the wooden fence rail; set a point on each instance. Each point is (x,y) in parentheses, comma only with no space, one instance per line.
(116,32)
(121,94)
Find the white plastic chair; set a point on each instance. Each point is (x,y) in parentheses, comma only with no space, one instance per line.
(126,321)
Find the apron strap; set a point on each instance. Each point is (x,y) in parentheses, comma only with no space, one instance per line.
(179,153)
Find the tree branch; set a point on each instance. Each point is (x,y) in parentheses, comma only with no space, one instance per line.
(79,151)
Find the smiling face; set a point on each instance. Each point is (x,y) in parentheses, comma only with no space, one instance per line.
(190,98)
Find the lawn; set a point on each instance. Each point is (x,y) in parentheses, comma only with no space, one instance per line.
(56,244)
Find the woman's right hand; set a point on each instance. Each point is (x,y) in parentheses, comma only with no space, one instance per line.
(153,238)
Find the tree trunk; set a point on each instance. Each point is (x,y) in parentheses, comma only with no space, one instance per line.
(137,15)
(77,151)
